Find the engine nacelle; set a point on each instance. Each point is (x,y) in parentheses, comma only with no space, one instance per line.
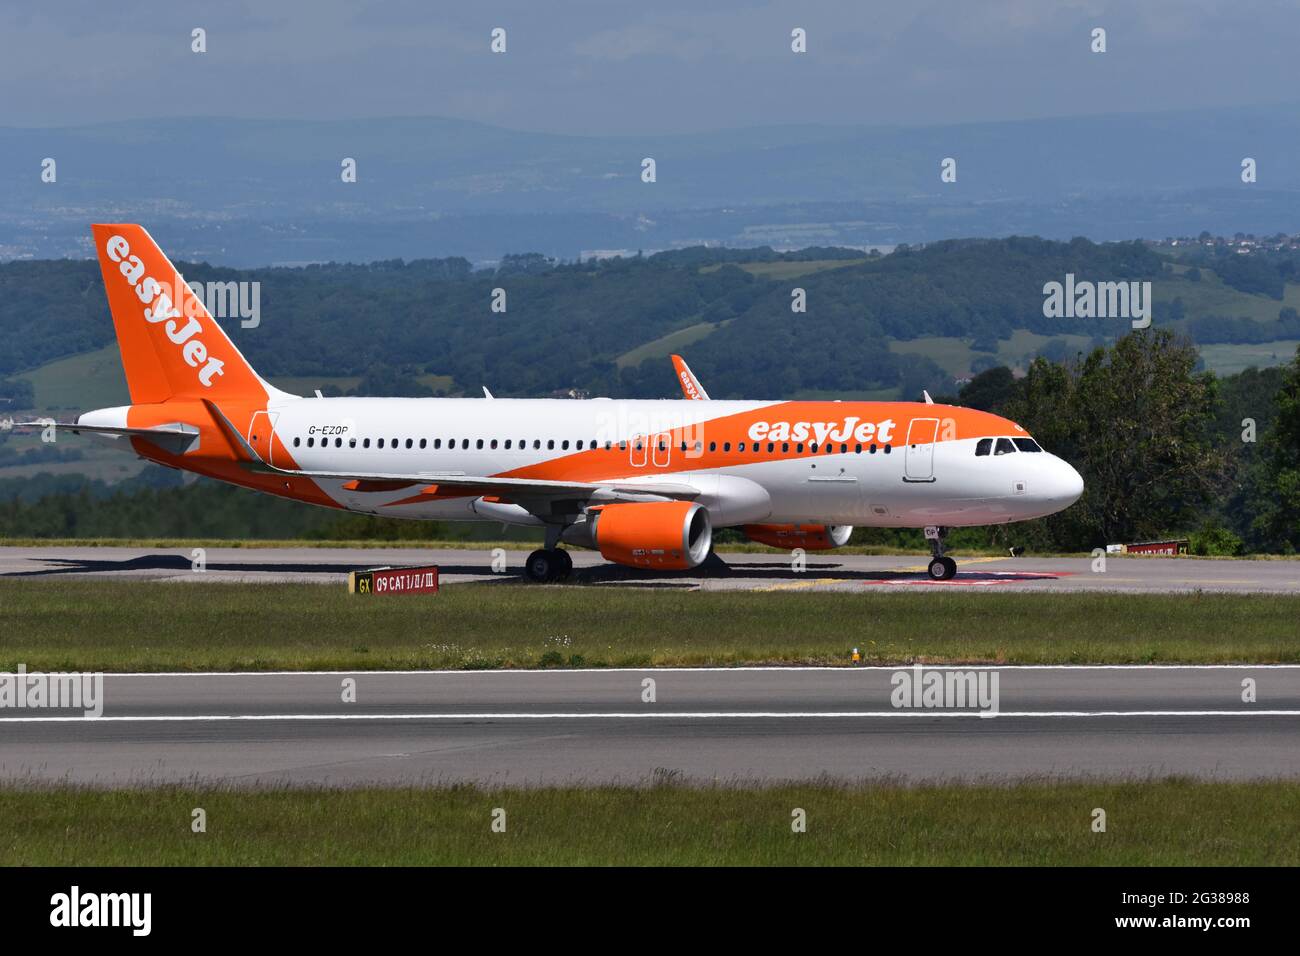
(673,535)
(810,537)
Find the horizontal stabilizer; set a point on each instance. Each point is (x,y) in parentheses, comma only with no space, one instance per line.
(176,437)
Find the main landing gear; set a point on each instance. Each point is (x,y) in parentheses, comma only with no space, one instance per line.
(550,563)
(941,568)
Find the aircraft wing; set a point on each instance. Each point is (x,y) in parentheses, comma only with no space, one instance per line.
(616,489)
(691,386)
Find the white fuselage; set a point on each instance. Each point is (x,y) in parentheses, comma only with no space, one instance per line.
(934,482)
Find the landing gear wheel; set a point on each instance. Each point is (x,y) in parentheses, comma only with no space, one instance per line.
(564,564)
(942,569)
(548,564)
(541,567)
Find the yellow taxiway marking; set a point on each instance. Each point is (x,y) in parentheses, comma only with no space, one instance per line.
(960,564)
(798,585)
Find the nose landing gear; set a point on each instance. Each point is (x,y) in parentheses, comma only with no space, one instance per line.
(941,568)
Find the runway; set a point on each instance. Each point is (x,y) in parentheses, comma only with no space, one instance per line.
(729,571)
(598,726)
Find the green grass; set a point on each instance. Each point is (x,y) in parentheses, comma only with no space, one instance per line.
(116,626)
(1149,823)
(954,355)
(666,345)
(1230,359)
(1211,297)
(81,382)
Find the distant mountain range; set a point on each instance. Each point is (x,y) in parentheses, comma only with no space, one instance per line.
(256,192)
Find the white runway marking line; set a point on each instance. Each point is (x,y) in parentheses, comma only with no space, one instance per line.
(649,715)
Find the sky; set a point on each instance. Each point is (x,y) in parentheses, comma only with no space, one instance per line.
(657,66)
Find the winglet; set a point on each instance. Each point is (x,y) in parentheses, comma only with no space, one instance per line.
(691,386)
(928,399)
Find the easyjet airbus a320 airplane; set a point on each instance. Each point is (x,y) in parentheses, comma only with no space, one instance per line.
(643,482)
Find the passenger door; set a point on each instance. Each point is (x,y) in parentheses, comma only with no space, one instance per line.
(918,464)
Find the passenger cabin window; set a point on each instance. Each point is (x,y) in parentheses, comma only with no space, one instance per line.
(1026,444)
(983,447)
(1004,447)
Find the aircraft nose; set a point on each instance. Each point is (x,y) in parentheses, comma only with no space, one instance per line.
(1067,484)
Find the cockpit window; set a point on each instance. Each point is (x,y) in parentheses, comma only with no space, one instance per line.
(1004,447)
(984,447)
(1027,444)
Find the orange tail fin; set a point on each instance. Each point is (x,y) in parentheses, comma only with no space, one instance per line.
(171,346)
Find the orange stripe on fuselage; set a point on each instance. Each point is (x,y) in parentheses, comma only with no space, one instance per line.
(955,424)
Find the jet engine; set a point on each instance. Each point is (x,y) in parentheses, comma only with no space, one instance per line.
(671,535)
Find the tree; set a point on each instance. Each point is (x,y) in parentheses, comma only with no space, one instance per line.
(989,391)
(1277,502)
(1136,421)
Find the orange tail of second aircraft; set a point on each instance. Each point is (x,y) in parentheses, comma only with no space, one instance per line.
(171,346)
